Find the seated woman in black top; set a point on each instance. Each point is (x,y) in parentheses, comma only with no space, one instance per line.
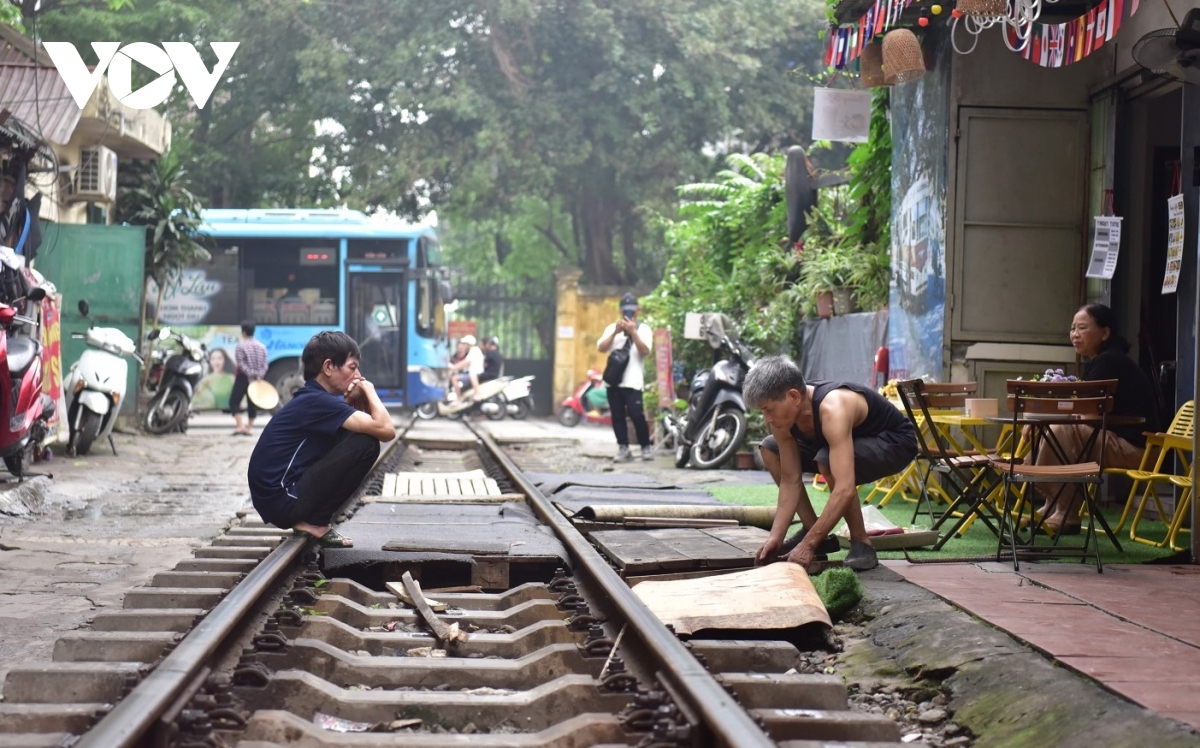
(1094,336)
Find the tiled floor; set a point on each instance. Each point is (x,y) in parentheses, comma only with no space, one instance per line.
(1136,629)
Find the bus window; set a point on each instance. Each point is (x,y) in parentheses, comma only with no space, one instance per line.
(427,326)
(290,281)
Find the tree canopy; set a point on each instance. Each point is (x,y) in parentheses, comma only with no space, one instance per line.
(573,121)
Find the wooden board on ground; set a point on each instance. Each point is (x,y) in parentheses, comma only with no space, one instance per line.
(910,539)
(471,498)
(471,483)
(771,597)
(681,549)
(451,545)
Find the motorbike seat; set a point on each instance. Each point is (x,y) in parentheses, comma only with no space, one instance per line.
(22,350)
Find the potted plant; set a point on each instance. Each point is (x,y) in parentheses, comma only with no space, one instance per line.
(826,272)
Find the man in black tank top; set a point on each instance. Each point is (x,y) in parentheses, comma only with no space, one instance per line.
(848,433)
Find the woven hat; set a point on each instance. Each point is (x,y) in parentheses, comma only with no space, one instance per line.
(468,339)
(263,394)
(982,8)
(870,66)
(902,58)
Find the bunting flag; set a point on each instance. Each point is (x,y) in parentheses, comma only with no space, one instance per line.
(1056,45)
(1051,45)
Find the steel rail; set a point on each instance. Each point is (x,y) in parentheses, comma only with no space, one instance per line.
(137,712)
(704,695)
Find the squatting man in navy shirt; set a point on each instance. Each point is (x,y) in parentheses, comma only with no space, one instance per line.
(316,451)
(849,433)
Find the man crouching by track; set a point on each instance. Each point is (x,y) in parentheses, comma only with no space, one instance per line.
(851,434)
(318,448)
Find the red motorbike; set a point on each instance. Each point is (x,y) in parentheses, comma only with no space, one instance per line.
(24,409)
(575,409)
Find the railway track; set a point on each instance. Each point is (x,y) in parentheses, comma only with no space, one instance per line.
(259,640)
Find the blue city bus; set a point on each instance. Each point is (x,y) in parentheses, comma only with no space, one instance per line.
(297,272)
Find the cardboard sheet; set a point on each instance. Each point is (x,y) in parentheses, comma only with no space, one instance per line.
(775,596)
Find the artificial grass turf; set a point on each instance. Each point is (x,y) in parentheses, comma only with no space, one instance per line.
(839,590)
(977,541)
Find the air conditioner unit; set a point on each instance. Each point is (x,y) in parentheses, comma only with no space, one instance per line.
(95,179)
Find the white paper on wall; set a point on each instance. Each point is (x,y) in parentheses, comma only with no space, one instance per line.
(841,115)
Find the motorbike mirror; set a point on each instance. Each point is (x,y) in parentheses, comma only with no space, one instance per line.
(83,307)
(37,294)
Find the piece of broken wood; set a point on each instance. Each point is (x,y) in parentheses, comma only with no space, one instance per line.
(443,632)
(398,590)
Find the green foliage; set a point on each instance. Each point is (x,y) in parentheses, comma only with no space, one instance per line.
(871,179)
(155,195)
(728,253)
(588,112)
(839,590)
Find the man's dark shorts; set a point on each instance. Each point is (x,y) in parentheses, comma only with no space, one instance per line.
(875,457)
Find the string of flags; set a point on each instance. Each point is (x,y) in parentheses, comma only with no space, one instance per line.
(1056,45)
(846,42)
(1047,44)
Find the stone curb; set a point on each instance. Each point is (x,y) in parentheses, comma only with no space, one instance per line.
(999,688)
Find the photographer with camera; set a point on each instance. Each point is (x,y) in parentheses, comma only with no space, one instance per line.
(627,338)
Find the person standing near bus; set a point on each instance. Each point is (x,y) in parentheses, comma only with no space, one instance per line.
(317,449)
(250,357)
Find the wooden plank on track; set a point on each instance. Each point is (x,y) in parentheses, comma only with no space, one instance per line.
(389,485)
(492,486)
(749,539)
(467,498)
(639,552)
(474,546)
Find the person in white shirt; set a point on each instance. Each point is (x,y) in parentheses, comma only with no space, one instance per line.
(470,363)
(626,400)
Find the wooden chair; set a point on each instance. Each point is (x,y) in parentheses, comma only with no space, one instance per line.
(964,474)
(1175,441)
(1057,403)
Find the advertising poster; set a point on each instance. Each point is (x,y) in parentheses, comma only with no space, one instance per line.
(1174,243)
(1106,245)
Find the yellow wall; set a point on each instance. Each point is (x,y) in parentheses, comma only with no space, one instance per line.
(583,313)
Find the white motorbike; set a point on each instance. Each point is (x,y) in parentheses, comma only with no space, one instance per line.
(95,386)
(497,398)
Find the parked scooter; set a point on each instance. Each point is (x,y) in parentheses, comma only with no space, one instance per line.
(25,422)
(95,385)
(574,409)
(518,400)
(173,377)
(714,425)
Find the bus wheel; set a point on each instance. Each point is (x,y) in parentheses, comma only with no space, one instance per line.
(286,376)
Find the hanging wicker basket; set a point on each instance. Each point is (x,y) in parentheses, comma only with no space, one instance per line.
(902,58)
(983,8)
(870,66)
